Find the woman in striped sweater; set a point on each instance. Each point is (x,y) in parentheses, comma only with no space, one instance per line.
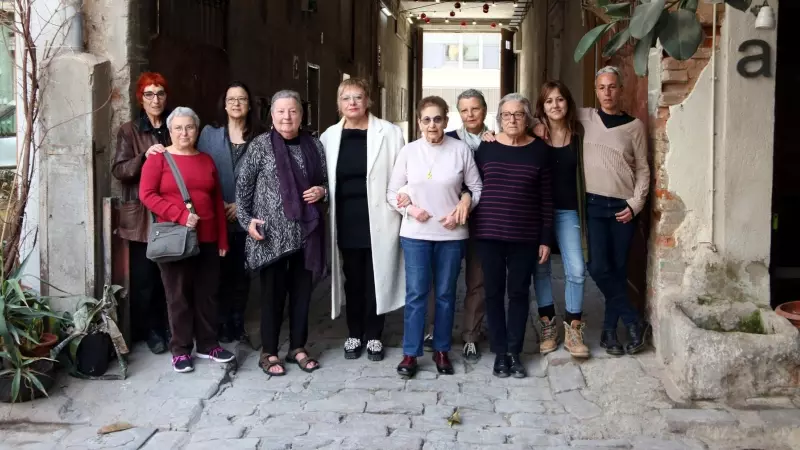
(513,226)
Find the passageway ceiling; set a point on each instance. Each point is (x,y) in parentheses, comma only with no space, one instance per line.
(470,17)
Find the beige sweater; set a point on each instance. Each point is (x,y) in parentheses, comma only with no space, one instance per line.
(615,160)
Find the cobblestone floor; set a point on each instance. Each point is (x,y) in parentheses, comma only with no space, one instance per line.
(602,403)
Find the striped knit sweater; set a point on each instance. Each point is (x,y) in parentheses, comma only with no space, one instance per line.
(517,198)
(615,160)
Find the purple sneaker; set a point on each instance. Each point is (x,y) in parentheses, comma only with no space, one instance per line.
(218,354)
(182,363)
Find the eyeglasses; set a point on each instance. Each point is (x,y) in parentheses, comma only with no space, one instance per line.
(352,98)
(516,115)
(188,128)
(150,94)
(236,100)
(427,120)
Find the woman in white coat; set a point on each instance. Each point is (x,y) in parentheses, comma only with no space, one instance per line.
(367,266)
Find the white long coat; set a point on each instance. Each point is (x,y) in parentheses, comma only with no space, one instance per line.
(384,141)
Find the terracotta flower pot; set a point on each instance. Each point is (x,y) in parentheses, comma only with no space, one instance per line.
(46,343)
(791,311)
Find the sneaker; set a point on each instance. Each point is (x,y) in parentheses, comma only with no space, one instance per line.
(573,339)
(218,354)
(182,364)
(471,353)
(375,350)
(427,343)
(352,348)
(548,342)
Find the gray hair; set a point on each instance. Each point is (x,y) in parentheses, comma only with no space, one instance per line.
(183,111)
(286,93)
(515,97)
(612,70)
(472,93)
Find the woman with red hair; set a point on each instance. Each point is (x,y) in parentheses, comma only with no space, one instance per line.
(136,141)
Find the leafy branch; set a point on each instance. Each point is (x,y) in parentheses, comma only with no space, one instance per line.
(674,23)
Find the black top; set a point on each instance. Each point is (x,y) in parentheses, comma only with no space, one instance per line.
(565,176)
(516,203)
(161,133)
(352,214)
(613,121)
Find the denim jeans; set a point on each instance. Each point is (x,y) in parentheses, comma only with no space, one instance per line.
(507,264)
(427,263)
(609,245)
(568,235)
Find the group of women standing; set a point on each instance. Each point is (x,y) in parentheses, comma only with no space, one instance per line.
(401,217)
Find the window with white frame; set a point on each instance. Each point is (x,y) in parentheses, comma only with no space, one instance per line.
(461,51)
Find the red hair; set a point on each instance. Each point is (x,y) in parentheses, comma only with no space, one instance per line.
(147,79)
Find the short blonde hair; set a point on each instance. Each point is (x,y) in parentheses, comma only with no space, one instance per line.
(358,83)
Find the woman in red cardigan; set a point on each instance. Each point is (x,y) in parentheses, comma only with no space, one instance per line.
(190,284)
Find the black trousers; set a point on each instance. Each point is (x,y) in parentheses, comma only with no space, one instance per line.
(234,287)
(147,299)
(359,290)
(507,334)
(286,276)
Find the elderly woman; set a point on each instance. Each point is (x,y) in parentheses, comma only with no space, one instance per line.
(617,182)
(513,227)
(472,109)
(190,284)
(432,170)
(138,140)
(366,260)
(282,182)
(227,142)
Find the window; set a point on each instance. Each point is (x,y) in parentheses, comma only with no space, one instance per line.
(471,51)
(461,51)
(491,51)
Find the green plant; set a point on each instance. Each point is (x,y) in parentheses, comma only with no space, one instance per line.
(674,23)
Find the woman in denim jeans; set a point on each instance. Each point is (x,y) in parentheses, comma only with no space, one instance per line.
(556,109)
(432,171)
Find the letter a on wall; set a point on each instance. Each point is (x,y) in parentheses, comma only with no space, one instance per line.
(757,65)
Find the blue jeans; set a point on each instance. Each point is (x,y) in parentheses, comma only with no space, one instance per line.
(427,263)
(609,245)
(568,235)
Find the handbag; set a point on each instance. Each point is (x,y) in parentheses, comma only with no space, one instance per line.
(169,241)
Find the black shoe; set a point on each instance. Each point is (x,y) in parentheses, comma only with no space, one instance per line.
(609,341)
(517,369)
(408,367)
(353,348)
(427,343)
(224,334)
(374,350)
(471,353)
(637,333)
(155,342)
(500,369)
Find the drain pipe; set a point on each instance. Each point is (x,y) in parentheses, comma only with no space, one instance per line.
(713,152)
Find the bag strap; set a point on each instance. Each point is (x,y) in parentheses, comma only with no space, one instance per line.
(179,179)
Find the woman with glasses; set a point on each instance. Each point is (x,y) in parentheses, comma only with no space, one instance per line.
(138,140)
(227,142)
(513,226)
(367,266)
(191,284)
(432,171)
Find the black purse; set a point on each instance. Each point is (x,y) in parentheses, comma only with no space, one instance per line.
(168,241)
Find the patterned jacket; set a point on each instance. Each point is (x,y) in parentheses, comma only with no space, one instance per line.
(258,197)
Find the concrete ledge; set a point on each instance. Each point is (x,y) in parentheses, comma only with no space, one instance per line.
(718,365)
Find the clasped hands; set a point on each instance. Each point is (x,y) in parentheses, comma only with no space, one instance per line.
(456,217)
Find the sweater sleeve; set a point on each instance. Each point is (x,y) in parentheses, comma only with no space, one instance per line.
(641,170)
(472,178)
(219,211)
(150,192)
(398,179)
(246,183)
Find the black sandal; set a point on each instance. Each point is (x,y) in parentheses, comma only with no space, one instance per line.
(265,364)
(302,363)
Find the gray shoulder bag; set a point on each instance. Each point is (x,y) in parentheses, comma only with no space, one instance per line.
(169,241)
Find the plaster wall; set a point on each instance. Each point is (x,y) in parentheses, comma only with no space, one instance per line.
(532,61)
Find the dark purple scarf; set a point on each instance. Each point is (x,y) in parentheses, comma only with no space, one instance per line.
(293,182)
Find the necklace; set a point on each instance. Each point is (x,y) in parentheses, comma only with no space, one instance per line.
(430,166)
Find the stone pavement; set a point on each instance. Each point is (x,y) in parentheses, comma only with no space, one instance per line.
(601,403)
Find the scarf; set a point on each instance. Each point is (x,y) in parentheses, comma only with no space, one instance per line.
(472,140)
(293,182)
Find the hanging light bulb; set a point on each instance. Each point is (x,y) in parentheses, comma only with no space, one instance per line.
(446,20)
(457,5)
(474,22)
(423,16)
(463,23)
(452,13)
(494,25)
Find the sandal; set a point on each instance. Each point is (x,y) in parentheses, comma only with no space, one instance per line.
(302,363)
(266,364)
